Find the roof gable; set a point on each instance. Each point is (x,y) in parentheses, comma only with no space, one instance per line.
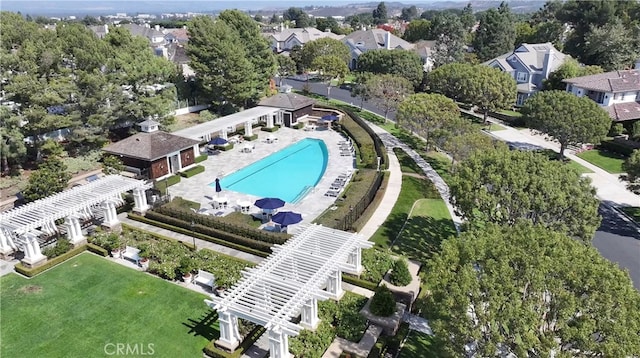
(289,101)
(150,146)
(614,81)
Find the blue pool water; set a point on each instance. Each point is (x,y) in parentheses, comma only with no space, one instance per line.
(288,174)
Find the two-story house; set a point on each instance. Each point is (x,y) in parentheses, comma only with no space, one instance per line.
(618,92)
(529,65)
(285,39)
(362,41)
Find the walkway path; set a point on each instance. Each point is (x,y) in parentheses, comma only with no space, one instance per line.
(417,323)
(360,349)
(190,239)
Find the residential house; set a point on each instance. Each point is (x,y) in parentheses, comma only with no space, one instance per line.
(100,30)
(362,41)
(529,65)
(424,49)
(294,106)
(618,92)
(153,153)
(153,34)
(179,35)
(284,39)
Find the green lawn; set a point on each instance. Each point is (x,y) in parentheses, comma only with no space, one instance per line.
(77,308)
(611,162)
(495,127)
(418,345)
(407,165)
(552,155)
(510,113)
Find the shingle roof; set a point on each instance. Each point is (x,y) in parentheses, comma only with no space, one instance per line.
(375,39)
(532,56)
(614,81)
(150,146)
(290,101)
(148,32)
(624,111)
(303,35)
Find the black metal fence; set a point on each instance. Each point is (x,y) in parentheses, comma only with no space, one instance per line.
(355,212)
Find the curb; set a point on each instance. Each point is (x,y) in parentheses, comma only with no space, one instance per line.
(623,215)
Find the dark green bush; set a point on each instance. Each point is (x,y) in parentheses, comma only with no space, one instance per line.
(201,158)
(616,147)
(270,130)
(128,228)
(400,275)
(250,137)
(382,303)
(172,180)
(61,247)
(359,282)
(224,148)
(376,264)
(97,250)
(30,272)
(192,171)
(298,125)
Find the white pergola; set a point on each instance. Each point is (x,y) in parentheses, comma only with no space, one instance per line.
(288,283)
(226,124)
(20,227)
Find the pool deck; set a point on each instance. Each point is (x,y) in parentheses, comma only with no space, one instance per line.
(218,165)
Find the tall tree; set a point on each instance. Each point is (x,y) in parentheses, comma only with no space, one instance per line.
(12,146)
(631,166)
(530,291)
(298,16)
(569,119)
(323,47)
(409,13)
(387,91)
(570,68)
(449,79)
(463,146)
(467,18)
(380,15)
(503,187)
(424,113)
(50,178)
(419,29)
(328,23)
(402,63)
(612,46)
(489,89)
(330,67)
(450,35)
(360,88)
(286,67)
(496,34)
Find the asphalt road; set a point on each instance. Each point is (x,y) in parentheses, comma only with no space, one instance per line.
(616,239)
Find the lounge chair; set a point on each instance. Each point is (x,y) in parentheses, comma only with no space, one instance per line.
(332,193)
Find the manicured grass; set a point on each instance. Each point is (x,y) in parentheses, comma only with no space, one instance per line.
(430,223)
(419,345)
(241,219)
(609,161)
(569,163)
(495,127)
(407,165)
(633,212)
(510,113)
(75,309)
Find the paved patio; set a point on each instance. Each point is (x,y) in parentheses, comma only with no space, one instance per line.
(311,206)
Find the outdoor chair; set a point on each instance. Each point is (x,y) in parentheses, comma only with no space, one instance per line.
(332,193)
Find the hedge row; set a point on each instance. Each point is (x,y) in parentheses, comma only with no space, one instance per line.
(97,250)
(201,158)
(30,272)
(126,228)
(212,351)
(359,282)
(220,225)
(224,148)
(270,130)
(214,239)
(251,137)
(298,125)
(172,180)
(192,171)
(615,147)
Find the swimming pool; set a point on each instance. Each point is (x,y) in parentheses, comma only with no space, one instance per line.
(288,174)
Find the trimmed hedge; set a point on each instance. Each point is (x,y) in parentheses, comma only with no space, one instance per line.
(270,130)
(359,282)
(212,351)
(30,272)
(615,147)
(250,137)
(192,171)
(212,222)
(172,180)
(198,235)
(298,125)
(98,250)
(200,158)
(224,148)
(126,228)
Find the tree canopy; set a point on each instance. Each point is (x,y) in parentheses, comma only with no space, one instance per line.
(298,16)
(449,34)
(530,291)
(423,113)
(503,187)
(379,14)
(323,47)
(570,68)
(401,63)
(419,29)
(631,166)
(569,119)
(387,91)
(50,178)
(496,34)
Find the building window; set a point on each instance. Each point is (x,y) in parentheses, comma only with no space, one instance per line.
(570,88)
(617,96)
(522,76)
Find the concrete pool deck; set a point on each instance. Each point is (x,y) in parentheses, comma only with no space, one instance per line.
(311,206)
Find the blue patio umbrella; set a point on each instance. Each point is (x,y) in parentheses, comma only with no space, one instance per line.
(269,203)
(218,187)
(286,218)
(330,117)
(218,141)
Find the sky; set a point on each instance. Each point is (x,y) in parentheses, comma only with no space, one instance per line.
(94,7)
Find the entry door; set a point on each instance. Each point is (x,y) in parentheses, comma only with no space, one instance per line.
(174,165)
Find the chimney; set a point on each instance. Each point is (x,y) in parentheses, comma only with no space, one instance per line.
(548,63)
(387,40)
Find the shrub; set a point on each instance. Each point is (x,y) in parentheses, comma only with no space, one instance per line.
(382,303)
(348,321)
(616,129)
(192,171)
(250,137)
(62,246)
(615,147)
(270,130)
(298,125)
(172,180)
(359,282)
(200,158)
(400,275)
(107,240)
(376,264)
(97,250)
(224,148)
